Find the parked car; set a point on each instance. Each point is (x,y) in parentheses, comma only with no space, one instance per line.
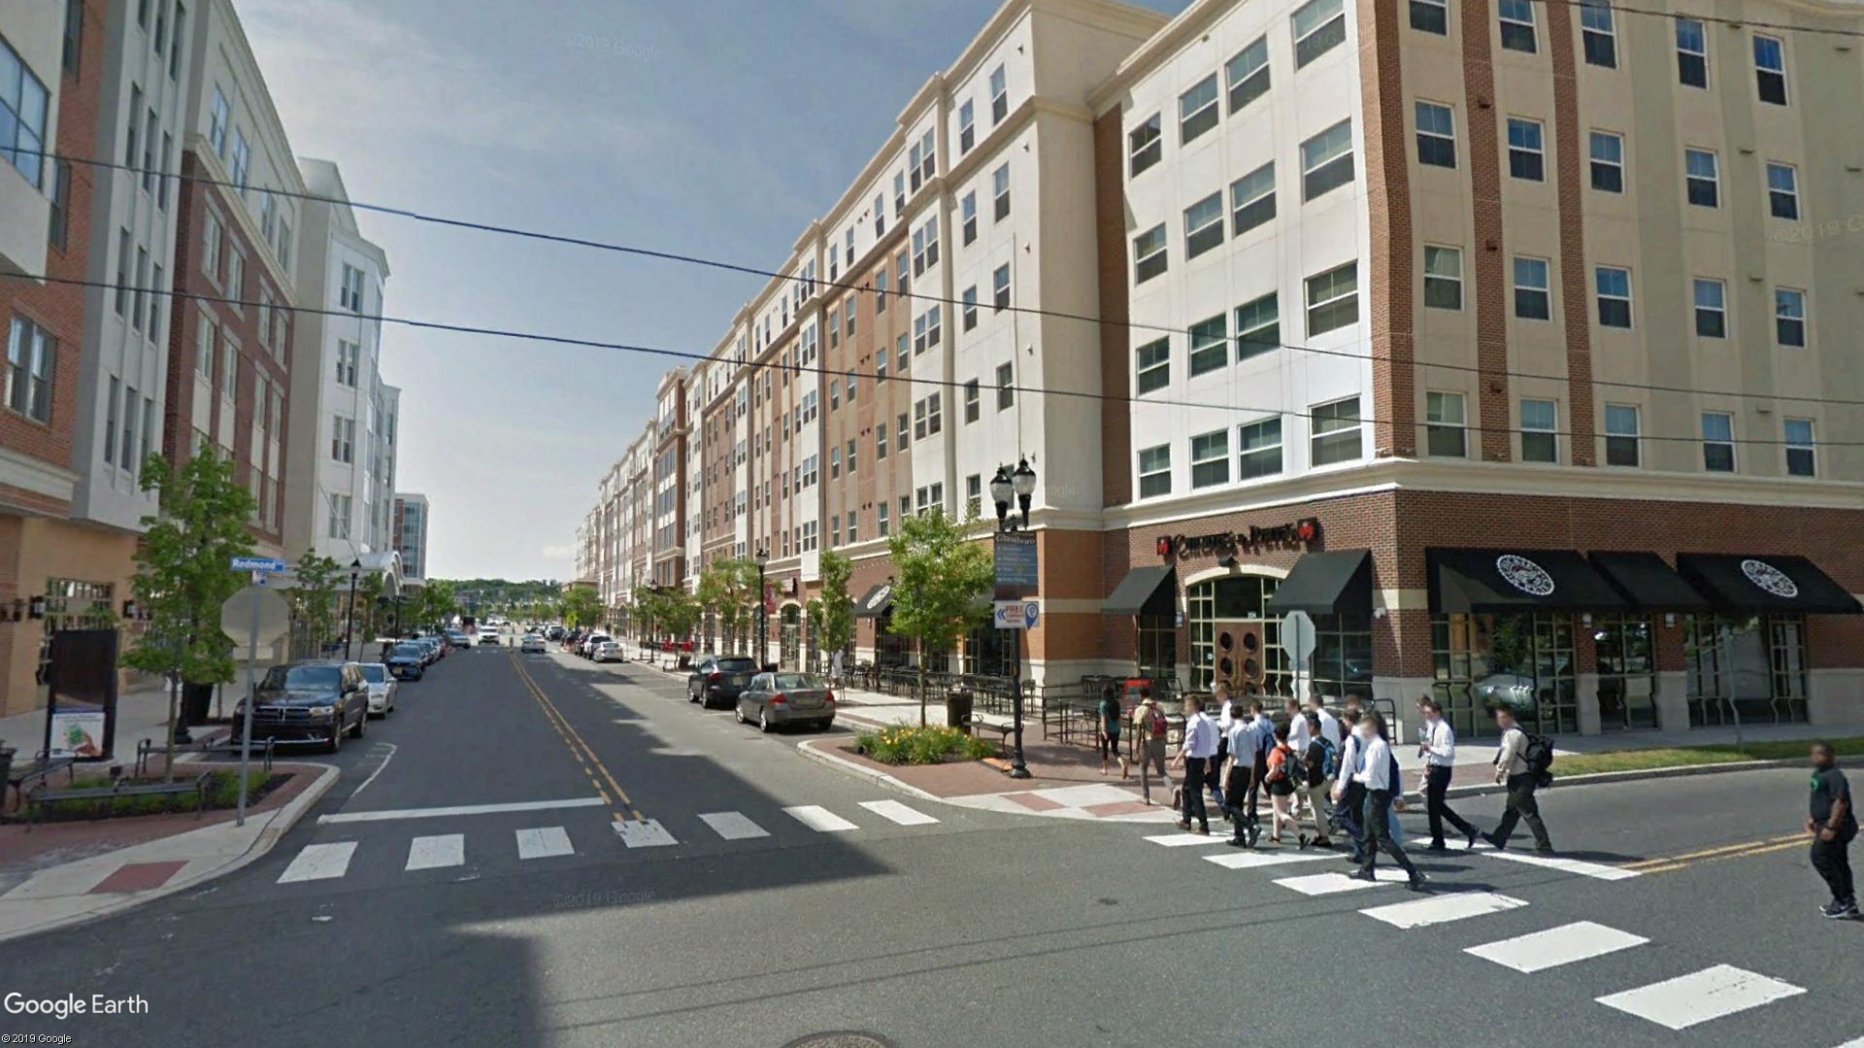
(488,635)
(587,647)
(777,699)
(458,639)
(312,701)
(555,633)
(718,679)
(430,650)
(531,643)
(608,651)
(382,688)
(406,661)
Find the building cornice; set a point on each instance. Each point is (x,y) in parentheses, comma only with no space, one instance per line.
(36,475)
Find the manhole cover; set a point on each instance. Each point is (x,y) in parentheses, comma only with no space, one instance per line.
(843,1039)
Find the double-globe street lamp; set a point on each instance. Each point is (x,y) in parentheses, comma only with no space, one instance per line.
(1020,484)
(349,617)
(763,624)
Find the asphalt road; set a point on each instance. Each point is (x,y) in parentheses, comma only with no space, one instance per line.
(977,929)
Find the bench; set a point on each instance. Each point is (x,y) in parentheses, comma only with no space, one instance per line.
(45,798)
(1003,729)
(146,748)
(42,768)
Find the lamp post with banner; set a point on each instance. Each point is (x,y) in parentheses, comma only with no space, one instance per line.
(1017,577)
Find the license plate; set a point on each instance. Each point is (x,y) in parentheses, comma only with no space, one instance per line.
(740,681)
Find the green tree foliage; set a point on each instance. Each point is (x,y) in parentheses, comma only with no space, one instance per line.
(312,599)
(729,590)
(837,605)
(582,606)
(941,574)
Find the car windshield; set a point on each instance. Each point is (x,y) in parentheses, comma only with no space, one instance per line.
(736,665)
(375,672)
(795,681)
(412,651)
(303,676)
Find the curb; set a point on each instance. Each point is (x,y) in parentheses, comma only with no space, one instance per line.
(843,764)
(277,824)
(1607,778)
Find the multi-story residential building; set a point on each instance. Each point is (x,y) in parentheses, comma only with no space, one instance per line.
(411,517)
(668,551)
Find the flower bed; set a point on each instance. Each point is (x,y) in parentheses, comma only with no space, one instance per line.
(911,744)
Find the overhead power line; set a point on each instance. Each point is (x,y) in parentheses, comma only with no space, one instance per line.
(1732,23)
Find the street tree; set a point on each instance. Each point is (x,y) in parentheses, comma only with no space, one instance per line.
(729,590)
(312,599)
(942,576)
(837,605)
(184,573)
(582,607)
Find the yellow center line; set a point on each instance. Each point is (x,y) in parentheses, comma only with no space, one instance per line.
(578,746)
(1707,852)
(1732,851)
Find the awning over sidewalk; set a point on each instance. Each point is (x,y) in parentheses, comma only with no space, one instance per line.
(1784,583)
(1491,581)
(878,602)
(1649,583)
(1333,582)
(1147,590)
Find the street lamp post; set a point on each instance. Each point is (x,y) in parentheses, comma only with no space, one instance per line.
(1020,484)
(763,622)
(349,619)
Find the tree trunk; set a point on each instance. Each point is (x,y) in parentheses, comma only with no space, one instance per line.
(174,708)
(922,684)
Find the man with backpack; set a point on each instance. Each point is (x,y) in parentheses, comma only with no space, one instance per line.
(1149,726)
(1522,762)
(1438,748)
(1322,758)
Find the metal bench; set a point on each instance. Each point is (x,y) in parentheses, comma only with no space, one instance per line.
(45,798)
(146,748)
(40,768)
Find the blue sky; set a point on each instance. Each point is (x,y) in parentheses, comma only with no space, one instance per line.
(707,127)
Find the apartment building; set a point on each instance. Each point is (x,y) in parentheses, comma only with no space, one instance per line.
(410,530)
(667,552)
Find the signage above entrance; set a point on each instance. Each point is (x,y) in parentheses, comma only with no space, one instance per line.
(1298,533)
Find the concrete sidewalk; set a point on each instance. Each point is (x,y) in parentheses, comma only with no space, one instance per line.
(141,714)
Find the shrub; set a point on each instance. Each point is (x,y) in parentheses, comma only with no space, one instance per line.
(911,744)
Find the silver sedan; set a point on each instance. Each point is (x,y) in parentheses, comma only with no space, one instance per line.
(776,699)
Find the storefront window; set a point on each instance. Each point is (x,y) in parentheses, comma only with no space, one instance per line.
(1158,647)
(987,652)
(1342,663)
(1243,600)
(711,630)
(1525,662)
(1747,667)
(71,604)
(889,648)
(1627,673)
(790,637)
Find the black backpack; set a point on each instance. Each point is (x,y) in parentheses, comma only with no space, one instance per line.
(1538,753)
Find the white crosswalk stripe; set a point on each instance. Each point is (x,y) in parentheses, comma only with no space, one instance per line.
(820,819)
(733,826)
(545,842)
(319,862)
(1597,871)
(1183,840)
(1711,993)
(1334,883)
(1579,941)
(896,812)
(441,850)
(1251,860)
(1859,1043)
(644,833)
(1442,909)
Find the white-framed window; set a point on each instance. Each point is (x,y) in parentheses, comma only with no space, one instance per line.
(1622,435)
(1149,255)
(340,506)
(1598,34)
(1145,146)
(1431,16)
(1692,53)
(1608,162)
(1252,199)
(350,292)
(236,280)
(1210,459)
(1335,432)
(204,347)
(1718,442)
(1770,68)
(1711,305)
(1210,347)
(31,359)
(967,127)
(1517,24)
(1197,110)
(349,355)
(1532,297)
(1258,326)
(1153,361)
(1319,27)
(834,463)
(880,518)
(811,409)
(132,405)
(1247,74)
(1259,449)
(1702,177)
(218,121)
(1006,387)
(925,246)
(1333,299)
(968,310)
(1789,316)
(974,496)
(1000,288)
(1614,293)
(242,160)
(1445,429)
(971,401)
(1801,449)
(342,439)
(999,96)
(880,442)
(1527,155)
(1000,191)
(1203,225)
(967,214)
(1443,277)
(1155,471)
(812,471)
(1436,135)
(229,372)
(1327,160)
(1540,431)
(1783,191)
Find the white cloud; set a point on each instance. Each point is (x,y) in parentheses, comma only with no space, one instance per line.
(562,552)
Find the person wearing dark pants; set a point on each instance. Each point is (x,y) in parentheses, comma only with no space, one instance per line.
(1511,767)
(1380,778)
(1240,770)
(1349,795)
(1833,824)
(1438,749)
(1195,752)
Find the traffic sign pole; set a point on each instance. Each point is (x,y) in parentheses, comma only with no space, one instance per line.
(252,699)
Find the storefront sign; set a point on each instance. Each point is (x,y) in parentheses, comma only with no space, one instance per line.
(1299,533)
(1769,578)
(78,733)
(1524,575)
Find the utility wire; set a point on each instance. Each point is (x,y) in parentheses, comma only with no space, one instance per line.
(1733,23)
(667,256)
(821,370)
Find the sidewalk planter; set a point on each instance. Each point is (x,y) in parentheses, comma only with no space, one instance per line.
(910,744)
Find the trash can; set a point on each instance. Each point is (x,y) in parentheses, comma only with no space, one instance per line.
(196,702)
(6,769)
(958,705)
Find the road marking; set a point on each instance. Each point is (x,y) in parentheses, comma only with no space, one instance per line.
(1595,870)
(1334,883)
(545,842)
(319,862)
(733,826)
(643,833)
(428,853)
(1249,860)
(1726,849)
(900,813)
(464,809)
(1859,1043)
(1696,998)
(820,819)
(1442,909)
(1183,839)
(1579,941)
(579,747)
(390,755)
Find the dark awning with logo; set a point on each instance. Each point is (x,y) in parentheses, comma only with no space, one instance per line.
(1649,583)
(1146,590)
(1783,583)
(876,603)
(1490,581)
(1334,582)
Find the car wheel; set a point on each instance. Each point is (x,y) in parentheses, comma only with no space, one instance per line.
(691,695)
(336,739)
(763,721)
(738,712)
(824,725)
(361,723)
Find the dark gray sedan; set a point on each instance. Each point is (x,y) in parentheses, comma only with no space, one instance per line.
(776,699)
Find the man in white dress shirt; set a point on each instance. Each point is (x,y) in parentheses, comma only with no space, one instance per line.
(1380,778)
(1438,748)
(1329,724)
(1195,752)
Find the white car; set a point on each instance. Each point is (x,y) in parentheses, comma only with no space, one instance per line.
(382,688)
(531,643)
(587,648)
(608,651)
(488,635)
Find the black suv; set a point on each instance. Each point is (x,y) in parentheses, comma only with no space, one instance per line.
(310,702)
(719,679)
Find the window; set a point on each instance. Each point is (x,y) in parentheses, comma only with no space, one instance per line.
(1319,26)
(1210,459)
(1692,53)
(60,217)
(148,154)
(1327,160)
(1248,74)
(925,246)
(174,54)
(1154,361)
(1444,433)
(1614,288)
(349,355)
(1608,162)
(1621,435)
(999,96)
(1443,277)
(204,348)
(1209,345)
(1197,110)
(1431,16)
(1540,425)
(968,308)
(131,404)
(1517,21)
(1531,298)
(899,195)
(343,439)
(210,250)
(834,394)
(1783,191)
(1259,449)
(1718,442)
(880,292)
(1335,428)
(1006,387)
(1789,316)
(110,421)
(1000,288)
(155,304)
(811,471)
(142,283)
(1711,309)
(161,182)
(926,417)
(1203,225)
(218,122)
(970,401)
(1149,258)
(349,295)
(74,37)
(31,354)
(925,331)
(1436,135)
(1770,69)
(1333,299)
(1258,326)
(1155,471)
(1801,455)
(242,160)
(1526,156)
(340,506)
(880,442)
(967,213)
(1145,146)
(1597,33)
(1252,199)
(1000,189)
(903,358)
(122,273)
(967,127)
(1701,176)
(880,515)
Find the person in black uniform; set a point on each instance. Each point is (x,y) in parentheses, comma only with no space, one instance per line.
(1833,824)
